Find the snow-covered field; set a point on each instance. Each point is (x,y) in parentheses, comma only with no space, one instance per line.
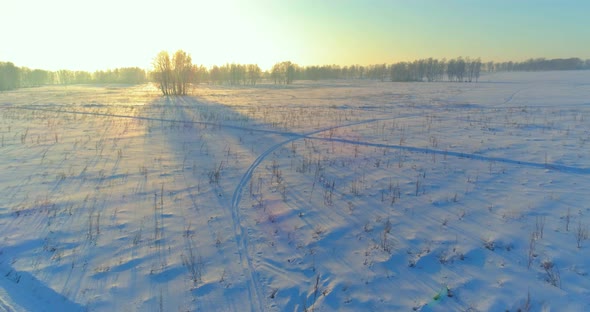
(318,196)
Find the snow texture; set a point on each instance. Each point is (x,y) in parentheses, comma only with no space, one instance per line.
(317,196)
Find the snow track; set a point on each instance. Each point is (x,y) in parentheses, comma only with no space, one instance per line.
(255,289)
(551,166)
(241,233)
(297,215)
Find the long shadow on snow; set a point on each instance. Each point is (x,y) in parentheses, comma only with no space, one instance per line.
(191,121)
(28,292)
(185,112)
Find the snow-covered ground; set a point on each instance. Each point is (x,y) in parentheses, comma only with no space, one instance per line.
(318,196)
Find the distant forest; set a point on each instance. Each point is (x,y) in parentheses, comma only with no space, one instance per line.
(173,73)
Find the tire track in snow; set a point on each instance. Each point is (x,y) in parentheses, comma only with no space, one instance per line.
(551,166)
(241,235)
(511,96)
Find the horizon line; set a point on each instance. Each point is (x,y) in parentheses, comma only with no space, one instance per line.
(148,69)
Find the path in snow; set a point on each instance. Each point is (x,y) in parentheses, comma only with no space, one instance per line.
(237,195)
(239,228)
(552,166)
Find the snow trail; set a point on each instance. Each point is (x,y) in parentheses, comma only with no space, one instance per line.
(552,166)
(241,235)
(266,259)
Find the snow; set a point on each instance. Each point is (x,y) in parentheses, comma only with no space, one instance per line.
(318,196)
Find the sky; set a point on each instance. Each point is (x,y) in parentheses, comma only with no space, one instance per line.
(98,35)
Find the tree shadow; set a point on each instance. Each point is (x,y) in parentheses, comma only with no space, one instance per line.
(29,293)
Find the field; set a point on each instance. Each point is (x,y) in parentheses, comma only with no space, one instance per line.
(317,196)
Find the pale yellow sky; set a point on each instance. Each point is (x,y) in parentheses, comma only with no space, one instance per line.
(92,35)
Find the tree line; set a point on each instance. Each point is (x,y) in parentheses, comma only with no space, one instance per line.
(541,64)
(460,69)
(14,77)
(457,70)
(233,74)
(174,73)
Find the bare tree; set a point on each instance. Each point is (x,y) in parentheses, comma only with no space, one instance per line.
(182,71)
(283,73)
(163,72)
(254,73)
(173,75)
